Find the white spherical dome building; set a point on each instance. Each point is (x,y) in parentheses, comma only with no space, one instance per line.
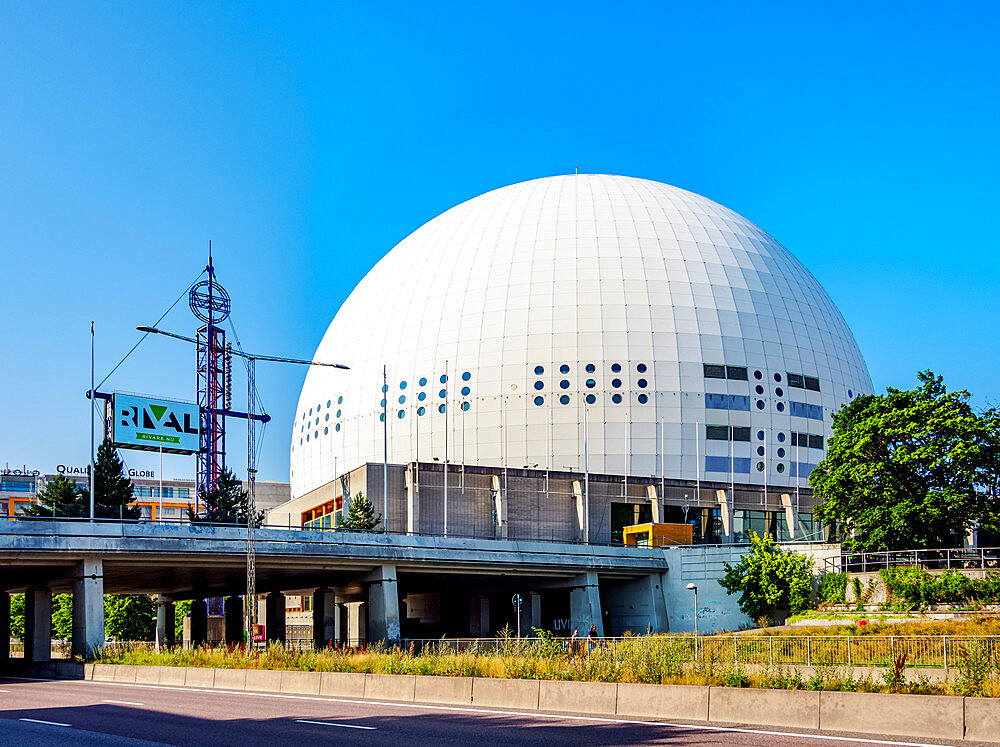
(657,331)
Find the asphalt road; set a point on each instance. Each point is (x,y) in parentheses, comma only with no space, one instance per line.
(73,712)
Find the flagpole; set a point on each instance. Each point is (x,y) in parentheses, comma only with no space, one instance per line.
(385,449)
(92,405)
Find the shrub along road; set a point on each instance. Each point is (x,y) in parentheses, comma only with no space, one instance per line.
(82,713)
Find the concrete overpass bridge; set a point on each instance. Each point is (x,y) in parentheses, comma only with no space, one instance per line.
(382,586)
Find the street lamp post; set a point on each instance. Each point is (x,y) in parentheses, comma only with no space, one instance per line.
(692,587)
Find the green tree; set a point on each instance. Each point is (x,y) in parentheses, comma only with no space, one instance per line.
(129,617)
(181,610)
(17,616)
(769,580)
(114,495)
(361,515)
(226,503)
(62,616)
(906,469)
(60,497)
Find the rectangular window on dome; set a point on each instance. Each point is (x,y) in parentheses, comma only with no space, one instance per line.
(739,402)
(737,373)
(716,402)
(714,372)
(717,432)
(804,410)
(796,380)
(812,383)
(815,442)
(741,434)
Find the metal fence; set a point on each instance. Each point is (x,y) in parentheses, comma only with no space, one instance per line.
(941,652)
(931,559)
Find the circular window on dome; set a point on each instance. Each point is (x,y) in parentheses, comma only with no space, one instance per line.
(760,435)
(539,385)
(591,383)
(421,410)
(616,398)
(422,396)
(591,399)
(466,376)
(616,368)
(465,406)
(326,431)
(564,384)
(310,412)
(319,407)
(759,389)
(641,368)
(402,385)
(760,451)
(443,393)
(327,417)
(302,429)
(423,381)
(778,391)
(340,400)
(300,442)
(444,378)
(382,403)
(401,414)
(338,413)
(643,399)
(328,403)
(337,427)
(616,383)
(642,383)
(564,399)
(780,406)
(539,400)
(777,377)
(591,368)
(441,408)
(465,391)
(539,370)
(780,468)
(850,393)
(564,369)
(760,466)
(781,453)
(758,375)
(385,388)
(781,437)
(381,417)
(402,398)
(760,404)
(303,416)
(307,438)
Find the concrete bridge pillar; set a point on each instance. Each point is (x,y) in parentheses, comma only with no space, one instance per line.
(274,617)
(585,604)
(199,622)
(479,617)
(37,624)
(326,618)
(4,626)
(383,607)
(233,609)
(343,623)
(165,623)
(88,607)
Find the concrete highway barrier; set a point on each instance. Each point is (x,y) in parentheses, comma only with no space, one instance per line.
(916,716)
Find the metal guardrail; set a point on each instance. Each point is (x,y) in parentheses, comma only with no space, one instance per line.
(931,559)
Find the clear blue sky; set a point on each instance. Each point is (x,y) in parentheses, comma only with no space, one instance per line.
(306,140)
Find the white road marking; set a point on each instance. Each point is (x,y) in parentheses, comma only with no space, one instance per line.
(330,723)
(535,714)
(38,721)
(4,691)
(123,702)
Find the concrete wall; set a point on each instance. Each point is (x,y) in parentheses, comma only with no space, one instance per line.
(914,716)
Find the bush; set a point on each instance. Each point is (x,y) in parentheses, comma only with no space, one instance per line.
(920,588)
(768,579)
(833,588)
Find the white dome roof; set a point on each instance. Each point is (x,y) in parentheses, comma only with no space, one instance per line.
(534,297)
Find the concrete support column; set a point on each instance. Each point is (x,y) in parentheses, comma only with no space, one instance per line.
(4,626)
(535,609)
(581,519)
(727,516)
(199,622)
(383,607)
(274,617)
(654,502)
(233,609)
(499,508)
(585,604)
(165,623)
(343,623)
(412,500)
(37,624)
(88,607)
(479,617)
(325,616)
(790,518)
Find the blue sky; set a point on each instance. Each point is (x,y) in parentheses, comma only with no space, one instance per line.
(306,140)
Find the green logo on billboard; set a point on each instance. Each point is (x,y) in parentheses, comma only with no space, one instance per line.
(158,411)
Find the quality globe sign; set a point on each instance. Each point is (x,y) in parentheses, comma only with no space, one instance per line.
(155,424)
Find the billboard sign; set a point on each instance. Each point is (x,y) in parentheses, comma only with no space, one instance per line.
(151,424)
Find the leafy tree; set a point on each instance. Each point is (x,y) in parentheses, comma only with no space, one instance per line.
(113,491)
(17,616)
(361,515)
(60,497)
(181,610)
(907,469)
(226,503)
(769,579)
(62,616)
(129,617)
